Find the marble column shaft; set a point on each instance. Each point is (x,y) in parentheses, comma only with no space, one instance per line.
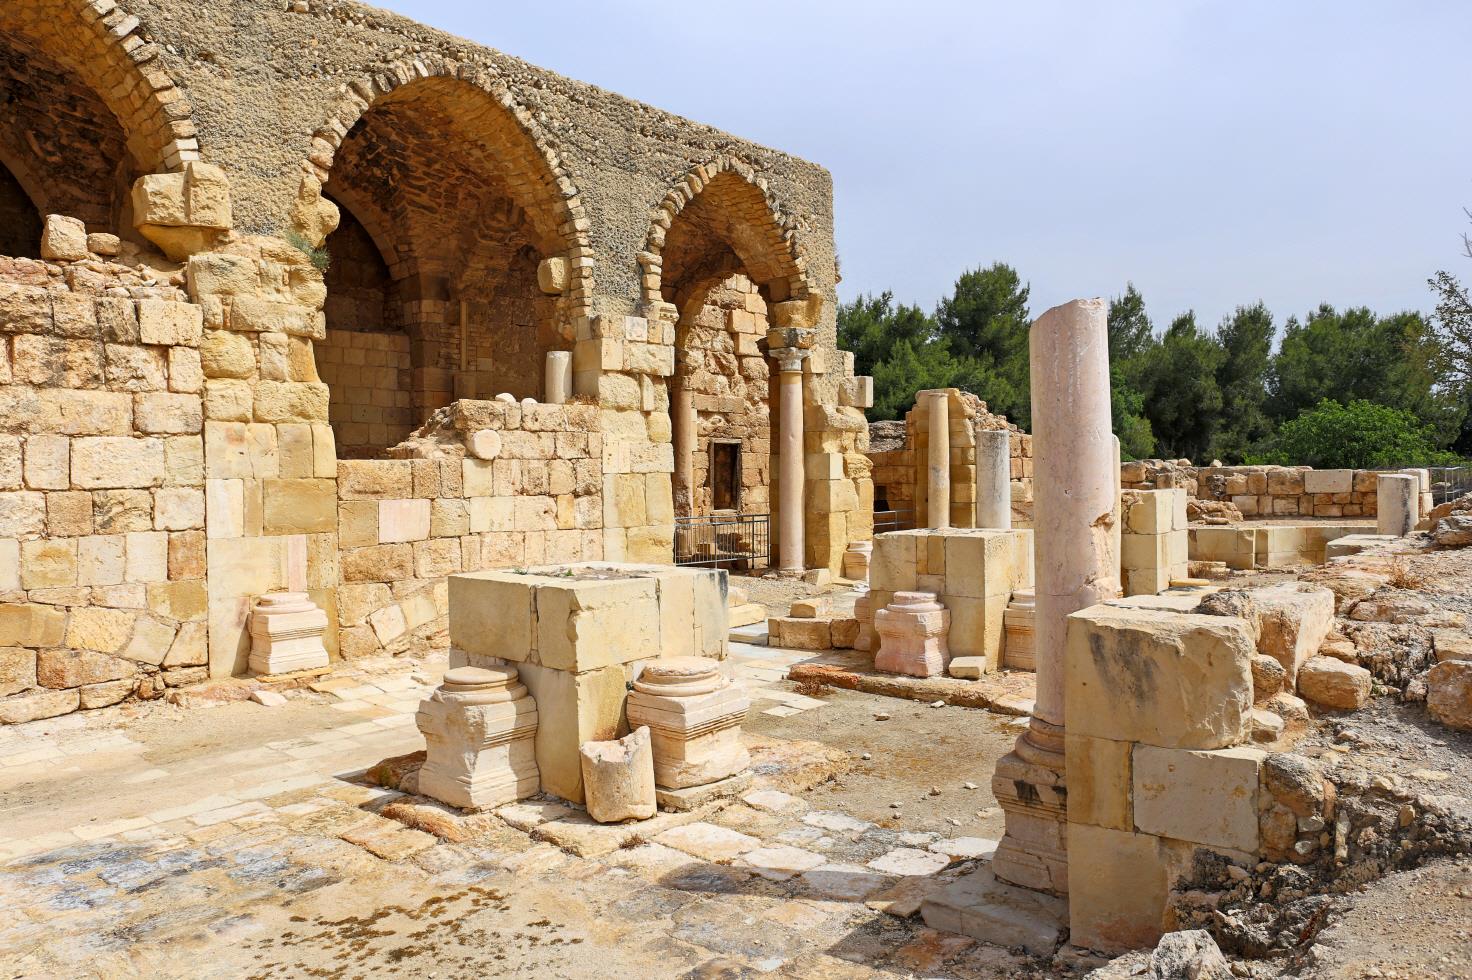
(790,544)
(683,412)
(994,479)
(938,468)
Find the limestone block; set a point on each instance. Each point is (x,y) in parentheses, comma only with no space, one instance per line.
(977,627)
(167,323)
(47,462)
(894,566)
(117,462)
(1206,797)
(1449,693)
(912,633)
(1334,684)
(74,668)
(226,354)
(31,625)
(818,607)
(1117,889)
(313,216)
(1152,512)
(1158,677)
(799,634)
(618,778)
(286,634)
(178,509)
(299,506)
(48,564)
(98,629)
(694,716)
(17,670)
(1328,481)
(552,275)
(403,520)
(1099,782)
(166,412)
(21,513)
(480,729)
(290,401)
(37,705)
(63,239)
(1293,620)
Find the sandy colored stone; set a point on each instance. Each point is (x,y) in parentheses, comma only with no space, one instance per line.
(37,705)
(1334,684)
(618,778)
(1293,620)
(1206,797)
(1099,781)
(1449,693)
(1117,889)
(1162,678)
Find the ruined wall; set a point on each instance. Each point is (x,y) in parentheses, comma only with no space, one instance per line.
(532,497)
(369,402)
(731,381)
(900,468)
(1262,491)
(102,503)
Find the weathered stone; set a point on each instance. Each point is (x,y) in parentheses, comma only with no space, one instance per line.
(480,726)
(1334,684)
(618,778)
(912,633)
(694,717)
(286,634)
(63,239)
(1205,797)
(1449,693)
(37,705)
(1162,678)
(74,668)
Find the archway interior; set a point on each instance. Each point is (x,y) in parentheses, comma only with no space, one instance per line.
(720,272)
(62,151)
(432,289)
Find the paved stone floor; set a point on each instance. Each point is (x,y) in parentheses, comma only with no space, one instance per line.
(230,839)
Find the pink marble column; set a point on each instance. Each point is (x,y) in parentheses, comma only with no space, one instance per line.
(682,411)
(790,544)
(1077,557)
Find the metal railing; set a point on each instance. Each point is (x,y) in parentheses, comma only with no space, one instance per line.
(739,542)
(894,520)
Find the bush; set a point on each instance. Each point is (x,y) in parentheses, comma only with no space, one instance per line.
(1360,435)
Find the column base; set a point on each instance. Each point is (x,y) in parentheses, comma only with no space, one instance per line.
(1029,786)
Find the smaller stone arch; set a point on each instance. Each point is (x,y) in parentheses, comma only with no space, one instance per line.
(766,236)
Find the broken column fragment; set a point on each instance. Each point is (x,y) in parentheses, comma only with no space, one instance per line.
(694,715)
(480,728)
(618,778)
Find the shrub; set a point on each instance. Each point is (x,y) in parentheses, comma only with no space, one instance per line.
(1360,435)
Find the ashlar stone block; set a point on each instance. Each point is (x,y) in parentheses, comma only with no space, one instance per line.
(1159,677)
(479,727)
(1205,797)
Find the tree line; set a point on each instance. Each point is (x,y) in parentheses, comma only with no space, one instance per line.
(1347,387)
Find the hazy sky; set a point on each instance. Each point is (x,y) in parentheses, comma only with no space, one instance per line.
(1214,153)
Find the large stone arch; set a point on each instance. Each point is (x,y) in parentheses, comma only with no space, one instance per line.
(483,237)
(90,107)
(719,253)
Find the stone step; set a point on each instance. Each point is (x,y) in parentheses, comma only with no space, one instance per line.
(995,912)
(755,634)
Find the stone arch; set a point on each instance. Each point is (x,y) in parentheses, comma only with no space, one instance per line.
(726,193)
(90,107)
(719,252)
(467,206)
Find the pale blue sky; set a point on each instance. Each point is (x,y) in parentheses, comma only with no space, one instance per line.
(1214,153)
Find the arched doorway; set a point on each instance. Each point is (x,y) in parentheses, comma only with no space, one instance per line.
(448,211)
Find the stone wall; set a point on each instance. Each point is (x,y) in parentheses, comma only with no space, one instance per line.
(532,496)
(102,475)
(900,473)
(1262,491)
(369,401)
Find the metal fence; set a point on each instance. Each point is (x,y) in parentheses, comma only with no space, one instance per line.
(1447,482)
(894,520)
(739,542)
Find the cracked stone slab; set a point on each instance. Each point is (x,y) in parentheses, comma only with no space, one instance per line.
(709,842)
(781,862)
(837,822)
(910,861)
(966,848)
(844,882)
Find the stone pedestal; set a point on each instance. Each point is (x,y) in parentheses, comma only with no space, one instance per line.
(618,777)
(912,635)
(938,468)
(1076,472)
(864,614)
(994,479)
(578,634)
(480,727)
(694,717)
(1397,501)
(286,634)
(856,560)
(1019,649)
(557,384)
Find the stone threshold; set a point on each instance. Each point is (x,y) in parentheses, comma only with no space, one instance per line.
(1004,692)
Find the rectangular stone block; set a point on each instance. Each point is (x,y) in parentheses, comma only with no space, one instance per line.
(1205,797)
(1151,513)
(299,506)
(1099,782)
(1163,678)
(1117,889)
(110,462)
(1328,481)
(164,323)
(403,520)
